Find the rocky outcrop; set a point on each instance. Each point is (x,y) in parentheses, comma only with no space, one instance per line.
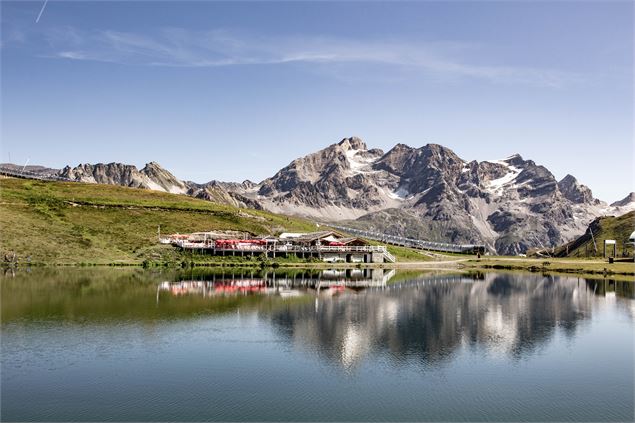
(574,191)
(224,193)
(164,179)
(628,201)
(152,176)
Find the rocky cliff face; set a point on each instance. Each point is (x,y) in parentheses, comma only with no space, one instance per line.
(429,192)
(574,191)
(152,176)
(224,193)
(337,182)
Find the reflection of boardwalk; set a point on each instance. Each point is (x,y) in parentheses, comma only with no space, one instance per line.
(370,280)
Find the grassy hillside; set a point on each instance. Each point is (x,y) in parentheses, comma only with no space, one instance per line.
(57,222)
(71,223)
(609,227)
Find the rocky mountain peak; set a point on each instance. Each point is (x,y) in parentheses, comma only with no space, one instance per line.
(440,154)
(574,191)
(165,180)
(436,148)
(153,165)
(515,160)
(626,201)
(393,161)
(352,143)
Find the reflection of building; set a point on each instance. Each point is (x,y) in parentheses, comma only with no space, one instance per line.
(333,281)
(329,246)
(221,287)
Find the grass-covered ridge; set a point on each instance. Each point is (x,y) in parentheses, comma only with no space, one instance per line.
(618,228)
(70,223)
(75,223)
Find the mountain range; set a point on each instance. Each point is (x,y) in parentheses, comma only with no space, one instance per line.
(430,193)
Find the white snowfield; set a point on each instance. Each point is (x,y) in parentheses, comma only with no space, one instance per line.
(496,186)
(173,189)
(358,163)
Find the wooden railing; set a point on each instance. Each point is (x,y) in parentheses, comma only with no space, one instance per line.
(283,248)
(413,243)
(25,174)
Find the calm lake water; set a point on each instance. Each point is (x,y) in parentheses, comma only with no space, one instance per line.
(134,345)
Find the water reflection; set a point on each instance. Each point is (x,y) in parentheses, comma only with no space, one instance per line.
(428,319)
(332,281)
(344,316)
(196,345)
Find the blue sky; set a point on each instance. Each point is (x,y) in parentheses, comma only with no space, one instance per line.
(233,91)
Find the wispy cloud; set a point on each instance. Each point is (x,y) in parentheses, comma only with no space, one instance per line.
(178,47)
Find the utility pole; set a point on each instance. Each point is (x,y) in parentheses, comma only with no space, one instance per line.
(595,246)
(26,163)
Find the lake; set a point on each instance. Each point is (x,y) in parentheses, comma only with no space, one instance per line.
(126,344)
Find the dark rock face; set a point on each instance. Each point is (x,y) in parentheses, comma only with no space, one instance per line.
(574,191)
(501,220)
(626,201)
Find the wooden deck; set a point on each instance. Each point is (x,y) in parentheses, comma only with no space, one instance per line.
(279,249)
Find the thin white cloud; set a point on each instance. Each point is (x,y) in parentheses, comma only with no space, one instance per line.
(184,48)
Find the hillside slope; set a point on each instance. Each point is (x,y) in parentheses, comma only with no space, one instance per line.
(57,222)
(608,227)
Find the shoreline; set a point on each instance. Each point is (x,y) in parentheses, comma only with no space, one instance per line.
(584,268)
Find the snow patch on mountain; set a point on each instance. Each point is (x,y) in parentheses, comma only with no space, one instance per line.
(358,163)
(496,186)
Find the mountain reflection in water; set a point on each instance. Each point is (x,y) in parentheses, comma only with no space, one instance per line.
(430,318)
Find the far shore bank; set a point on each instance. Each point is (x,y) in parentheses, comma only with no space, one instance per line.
(624,270)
